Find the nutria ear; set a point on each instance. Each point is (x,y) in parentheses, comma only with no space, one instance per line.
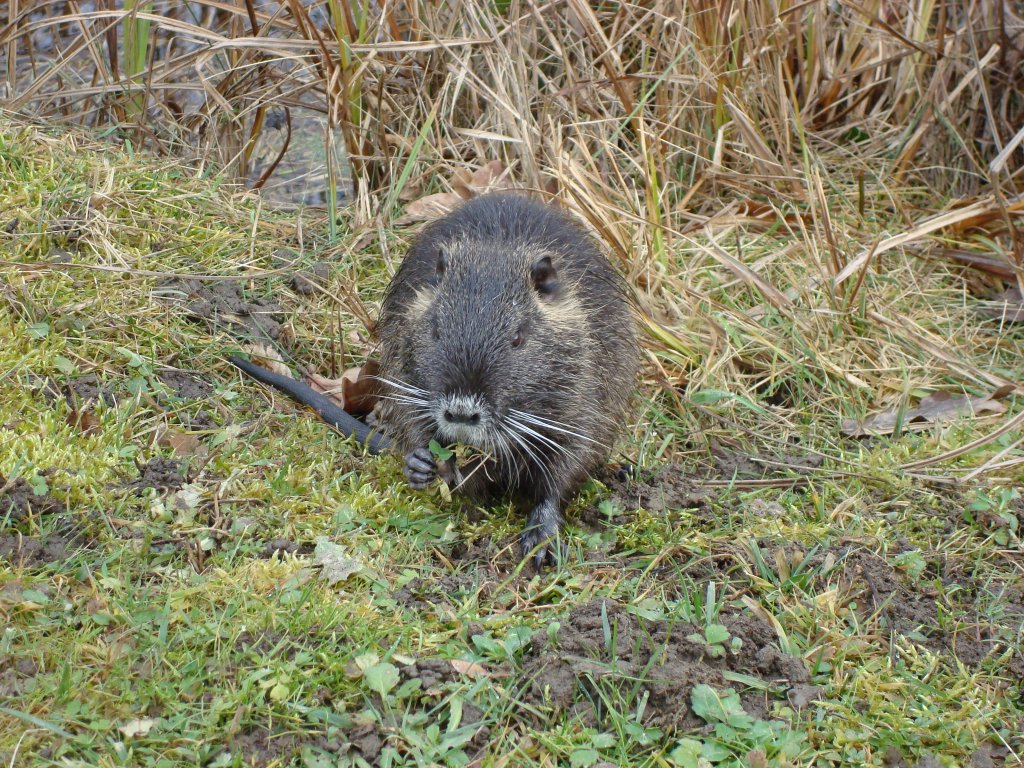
(544,276)
(442,263)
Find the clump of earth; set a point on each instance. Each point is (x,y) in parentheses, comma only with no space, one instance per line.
(603,648)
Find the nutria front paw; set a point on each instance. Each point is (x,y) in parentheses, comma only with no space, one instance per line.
(420,469)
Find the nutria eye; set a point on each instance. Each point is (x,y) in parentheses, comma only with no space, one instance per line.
(518,339)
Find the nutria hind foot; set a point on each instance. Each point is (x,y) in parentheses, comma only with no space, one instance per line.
(540,539)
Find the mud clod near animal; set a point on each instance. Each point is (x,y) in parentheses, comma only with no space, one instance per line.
(434,674)
(15,676)
(582,668)
(78,390)
(38,551)
(224,303)
(425,595)
(32,551)
(186,385)
(675,487)
(165,475)
(885,596)
(261,747)
(19,500)
(307,282)
(667,488)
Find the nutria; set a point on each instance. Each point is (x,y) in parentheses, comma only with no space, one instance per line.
(508,331)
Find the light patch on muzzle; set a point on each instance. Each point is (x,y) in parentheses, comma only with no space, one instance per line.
(463,419)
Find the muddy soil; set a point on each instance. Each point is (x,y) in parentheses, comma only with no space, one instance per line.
(669,487)
(55,546)
(452,589)
(652,657)
(306,282)
(890,600)
(678,486)
(286,547)
(18,501)
(16,676)
(365,739)
(165,475)
(261,747)
(201,421)
(884,595)
(186,385)
(192,388)
(77,391)
(223,303)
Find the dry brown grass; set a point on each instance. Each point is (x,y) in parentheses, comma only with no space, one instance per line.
(770,174)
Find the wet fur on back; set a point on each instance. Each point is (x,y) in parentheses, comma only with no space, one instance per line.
(507,329)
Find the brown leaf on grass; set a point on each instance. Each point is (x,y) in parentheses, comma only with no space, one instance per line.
(364,240)
(357,391)
(182,443)
(137,727)
(935,408)
(465,185)
(84,420)
(268,358)
(1007,306)
(430,207)
(473,670)
(489,178)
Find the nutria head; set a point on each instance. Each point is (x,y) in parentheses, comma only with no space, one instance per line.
(497,341)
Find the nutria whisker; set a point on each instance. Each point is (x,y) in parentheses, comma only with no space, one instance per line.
(404,386)
(547,424)
(528,432)
(535,460)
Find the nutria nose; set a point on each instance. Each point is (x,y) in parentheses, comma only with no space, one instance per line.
(459,416)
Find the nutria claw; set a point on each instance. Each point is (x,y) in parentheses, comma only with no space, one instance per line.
(540,537)
(420,468)
(541,546)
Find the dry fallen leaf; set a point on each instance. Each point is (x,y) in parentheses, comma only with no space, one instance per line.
(935,408)
(465,185)
(335,565)
(182,443)
(268,358)
(364,240)
(472,669)
(357,391)
(489,178)
(429,207)
(85,420)
(137,727)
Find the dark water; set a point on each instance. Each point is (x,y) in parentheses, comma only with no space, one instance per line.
(178,119)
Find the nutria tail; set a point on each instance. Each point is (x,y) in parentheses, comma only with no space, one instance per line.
(326,409)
